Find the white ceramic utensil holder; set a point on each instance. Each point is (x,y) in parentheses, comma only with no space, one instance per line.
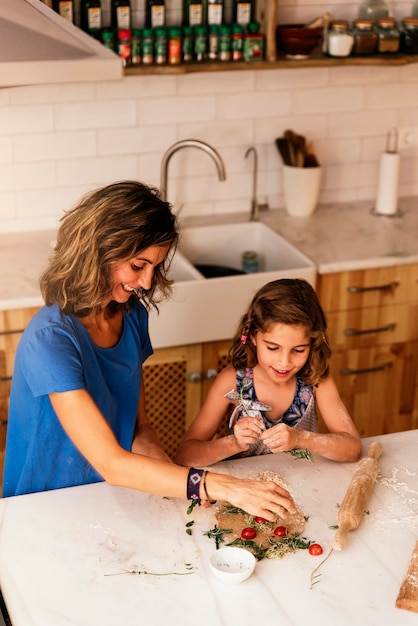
(301,186)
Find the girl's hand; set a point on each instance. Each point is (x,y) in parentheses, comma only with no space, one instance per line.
(247,430)
(281,438)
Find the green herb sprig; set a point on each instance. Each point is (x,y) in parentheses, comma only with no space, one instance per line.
(300,453)
(218,534)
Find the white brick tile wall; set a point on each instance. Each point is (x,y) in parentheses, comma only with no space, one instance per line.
(59,141)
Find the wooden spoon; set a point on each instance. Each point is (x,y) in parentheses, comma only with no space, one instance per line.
(284,150)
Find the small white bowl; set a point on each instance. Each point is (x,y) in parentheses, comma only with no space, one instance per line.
(232,565)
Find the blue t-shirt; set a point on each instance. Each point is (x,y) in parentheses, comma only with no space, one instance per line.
(56,354)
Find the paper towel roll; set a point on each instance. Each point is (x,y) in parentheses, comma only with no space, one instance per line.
(388,185)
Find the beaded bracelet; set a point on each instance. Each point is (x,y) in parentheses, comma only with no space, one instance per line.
(193,483)
(205,490)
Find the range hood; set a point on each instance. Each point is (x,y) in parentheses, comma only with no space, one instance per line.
(38,46)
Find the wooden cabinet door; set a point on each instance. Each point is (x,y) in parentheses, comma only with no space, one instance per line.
(173,391)
(377,386)
(12,325)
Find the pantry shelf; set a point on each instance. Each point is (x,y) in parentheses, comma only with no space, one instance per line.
(315,60)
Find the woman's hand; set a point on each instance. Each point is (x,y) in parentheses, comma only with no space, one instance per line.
(247,430)
(264,498)
(281,438)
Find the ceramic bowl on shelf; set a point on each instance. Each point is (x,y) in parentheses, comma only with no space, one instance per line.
(232,565)
(297,40)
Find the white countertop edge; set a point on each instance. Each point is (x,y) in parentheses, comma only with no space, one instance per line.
(365,264)
(21,303)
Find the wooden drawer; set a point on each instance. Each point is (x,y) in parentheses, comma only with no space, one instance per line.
(385,374)
(374,326)
(367,288)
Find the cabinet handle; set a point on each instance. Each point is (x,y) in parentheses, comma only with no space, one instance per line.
(383,329)
(346,371)
(387,287)
(5,379)
(195,377)
(3,422)
(211,373)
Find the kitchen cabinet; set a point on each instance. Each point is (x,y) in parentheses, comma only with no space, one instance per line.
(177,380)
(372,321)
(12,324)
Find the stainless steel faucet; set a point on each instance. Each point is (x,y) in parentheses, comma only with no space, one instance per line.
(189,143)
(255,209)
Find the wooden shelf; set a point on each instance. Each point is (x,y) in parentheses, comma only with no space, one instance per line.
(315,60)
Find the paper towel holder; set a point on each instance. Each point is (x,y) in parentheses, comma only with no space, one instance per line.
(387,194)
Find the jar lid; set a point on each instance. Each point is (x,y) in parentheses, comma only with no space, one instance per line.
(237,28)
(410,22)
(339,24)
(253,27)
(160,31)
(363,24)
(386,21)
(124,33)
(200,29)
(147,32)
(225,29)
(174,31)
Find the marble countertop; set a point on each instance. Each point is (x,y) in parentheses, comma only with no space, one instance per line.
(339,238)
(66,556)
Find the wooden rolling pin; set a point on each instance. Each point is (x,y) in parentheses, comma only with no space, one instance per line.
(408,593)
(353,506)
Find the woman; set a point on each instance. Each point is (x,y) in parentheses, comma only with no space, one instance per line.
(77,407)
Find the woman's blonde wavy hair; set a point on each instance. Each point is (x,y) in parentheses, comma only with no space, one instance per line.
(286,301)
(110,225)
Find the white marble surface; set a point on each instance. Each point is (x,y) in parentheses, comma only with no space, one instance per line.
(63,553)
(336,238)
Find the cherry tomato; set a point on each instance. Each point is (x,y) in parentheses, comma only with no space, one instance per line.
(260,520)
(248,533)
(315,549)
(280,531)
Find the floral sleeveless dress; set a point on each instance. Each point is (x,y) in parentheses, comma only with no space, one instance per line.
(301,413)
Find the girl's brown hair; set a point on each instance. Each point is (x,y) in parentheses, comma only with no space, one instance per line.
(286,301)
(109,225)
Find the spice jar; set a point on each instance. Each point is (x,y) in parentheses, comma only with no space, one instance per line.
(124,46)
(224,42)
(199,43)
(147,46)
(409,35)
(340,39)
(237,42)
(136,46)
(388,36)
(174,45)
(254,43)
(160,45)
(213,37)
(187,44)
(365,37)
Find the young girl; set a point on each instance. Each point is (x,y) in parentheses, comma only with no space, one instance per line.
(278,377)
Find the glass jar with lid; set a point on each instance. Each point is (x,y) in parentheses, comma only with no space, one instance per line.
(388,36)
(372,9)
(365,37)
(340,39)
(409,35)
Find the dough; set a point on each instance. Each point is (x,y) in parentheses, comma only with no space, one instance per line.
(231,518)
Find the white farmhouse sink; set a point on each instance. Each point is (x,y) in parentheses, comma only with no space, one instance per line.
(208,309)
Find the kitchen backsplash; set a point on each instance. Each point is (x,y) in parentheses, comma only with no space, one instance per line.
(59,141)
